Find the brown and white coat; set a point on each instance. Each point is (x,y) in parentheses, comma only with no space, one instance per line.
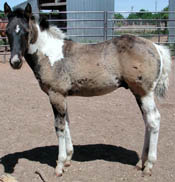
(66,68)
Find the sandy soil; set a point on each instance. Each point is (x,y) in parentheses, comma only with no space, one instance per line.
(107,133)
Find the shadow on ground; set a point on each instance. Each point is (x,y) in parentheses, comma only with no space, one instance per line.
(82,153)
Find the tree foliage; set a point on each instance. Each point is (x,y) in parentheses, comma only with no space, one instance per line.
(143,14)
(118,16)
(2,14)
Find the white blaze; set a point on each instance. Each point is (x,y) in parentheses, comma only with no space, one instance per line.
(17,30)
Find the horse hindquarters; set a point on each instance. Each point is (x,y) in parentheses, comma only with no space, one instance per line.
(150,112)
(62,130)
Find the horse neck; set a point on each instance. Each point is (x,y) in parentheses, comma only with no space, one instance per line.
(46,50)
(48,42)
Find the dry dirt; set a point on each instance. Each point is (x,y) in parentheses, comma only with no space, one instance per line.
(107,133)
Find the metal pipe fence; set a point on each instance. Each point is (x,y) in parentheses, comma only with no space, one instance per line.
(96,26)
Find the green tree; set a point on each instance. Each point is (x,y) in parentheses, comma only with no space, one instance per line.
(118,16)
(164,16)
(2,14)
(143,14)
(133,16)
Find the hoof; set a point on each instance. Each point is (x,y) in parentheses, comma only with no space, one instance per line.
(138,168)
(59,172)
(147,172)
(67,164)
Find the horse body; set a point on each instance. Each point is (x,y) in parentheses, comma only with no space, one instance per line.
(97,69)
(65,68)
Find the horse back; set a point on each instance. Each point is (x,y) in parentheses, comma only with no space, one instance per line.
(126,59)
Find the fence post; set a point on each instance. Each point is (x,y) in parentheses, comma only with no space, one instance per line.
(171,37)
(159,27)
(105,25)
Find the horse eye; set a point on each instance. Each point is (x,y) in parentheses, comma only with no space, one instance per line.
(26,33)
(6,31)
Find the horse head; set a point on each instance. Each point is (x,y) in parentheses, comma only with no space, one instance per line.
(18,33)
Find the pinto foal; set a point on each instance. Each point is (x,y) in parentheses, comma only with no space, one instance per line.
(66,68)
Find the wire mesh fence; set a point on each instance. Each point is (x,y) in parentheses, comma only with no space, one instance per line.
(96,26)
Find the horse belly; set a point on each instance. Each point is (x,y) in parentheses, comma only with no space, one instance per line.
(94,87)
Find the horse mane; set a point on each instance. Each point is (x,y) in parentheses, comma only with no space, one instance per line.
(51,29)
(56,32)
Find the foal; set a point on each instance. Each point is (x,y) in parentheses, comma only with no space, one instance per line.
(65,68)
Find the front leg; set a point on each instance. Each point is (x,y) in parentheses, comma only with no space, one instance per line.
(69,145)
(59,108)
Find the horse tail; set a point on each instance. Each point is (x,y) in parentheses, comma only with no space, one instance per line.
(165,68)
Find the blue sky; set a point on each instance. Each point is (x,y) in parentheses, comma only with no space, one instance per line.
(136,5)
(120,5)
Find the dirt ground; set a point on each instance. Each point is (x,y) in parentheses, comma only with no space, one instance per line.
(107,133)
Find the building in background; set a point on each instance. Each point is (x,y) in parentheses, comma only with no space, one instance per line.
(34,5)
(171,23)
(89,30)
(81,26)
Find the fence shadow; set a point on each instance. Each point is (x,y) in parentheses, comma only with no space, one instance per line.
(82,153)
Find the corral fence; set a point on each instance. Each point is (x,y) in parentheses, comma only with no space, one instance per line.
(97,26)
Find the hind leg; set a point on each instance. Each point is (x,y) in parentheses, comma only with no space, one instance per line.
(145,150)
(151,117)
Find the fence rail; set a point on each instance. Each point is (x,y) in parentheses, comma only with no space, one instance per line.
(95,26)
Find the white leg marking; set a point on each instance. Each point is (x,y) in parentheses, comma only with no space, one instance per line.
(62,153)
(62,156)
(69,145)
(152,119)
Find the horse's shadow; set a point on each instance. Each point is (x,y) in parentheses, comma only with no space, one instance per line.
(82,153)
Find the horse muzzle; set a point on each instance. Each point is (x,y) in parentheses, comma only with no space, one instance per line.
(16,61)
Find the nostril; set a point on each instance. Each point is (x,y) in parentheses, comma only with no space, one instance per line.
(16,63)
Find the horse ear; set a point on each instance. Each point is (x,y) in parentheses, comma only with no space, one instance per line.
(7,9)
(28,10)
